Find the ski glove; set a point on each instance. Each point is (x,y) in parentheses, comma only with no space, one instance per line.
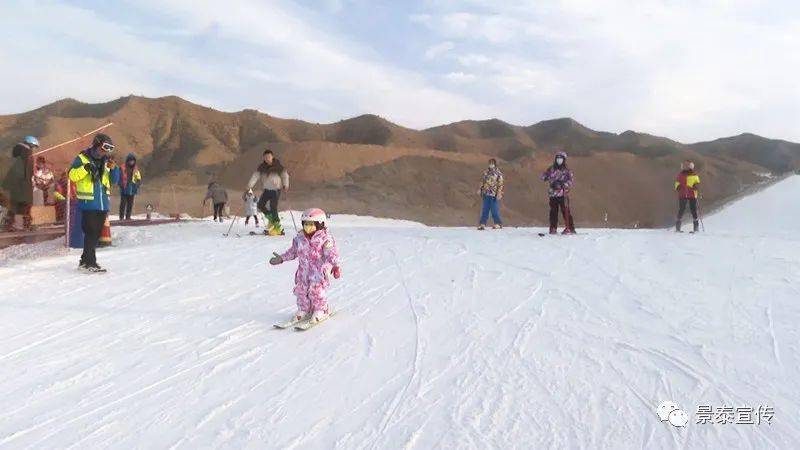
(275,260)
(336,272)
(91,168)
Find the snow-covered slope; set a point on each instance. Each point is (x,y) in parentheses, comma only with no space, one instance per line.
(445,338)
(773,210)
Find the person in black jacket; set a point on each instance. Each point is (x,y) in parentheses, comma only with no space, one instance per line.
(19,182)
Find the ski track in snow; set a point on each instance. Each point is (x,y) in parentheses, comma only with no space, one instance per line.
(443,338)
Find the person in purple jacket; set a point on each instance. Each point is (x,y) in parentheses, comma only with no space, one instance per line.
(560,178)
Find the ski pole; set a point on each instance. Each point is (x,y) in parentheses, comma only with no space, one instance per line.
(700,215)
(292,214)
(73,140)
(235,218)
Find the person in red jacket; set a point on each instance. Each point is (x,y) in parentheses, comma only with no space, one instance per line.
(61,196)
(686,184)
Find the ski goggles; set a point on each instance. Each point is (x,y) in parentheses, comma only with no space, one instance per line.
(107,147)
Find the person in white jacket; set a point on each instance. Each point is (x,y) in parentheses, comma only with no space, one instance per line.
(274,179)
(250,206)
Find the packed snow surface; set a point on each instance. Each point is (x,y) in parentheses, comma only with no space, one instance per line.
(444,338)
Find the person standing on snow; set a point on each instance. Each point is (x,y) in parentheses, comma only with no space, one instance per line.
(93,172)
(43,179)
(318,260)
(129,180)
(274,179)
(61,196)
(250,207)
(218,196)
(560,178)
(19,183)
(686,184)
(491,192)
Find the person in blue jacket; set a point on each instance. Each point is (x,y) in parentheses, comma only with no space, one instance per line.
(129,180)
(93,171)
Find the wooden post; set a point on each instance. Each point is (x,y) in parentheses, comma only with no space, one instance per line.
(175,203)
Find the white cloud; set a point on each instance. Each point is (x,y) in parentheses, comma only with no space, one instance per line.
(437,50)
(471,60)
(54,55)
(688,69)
(308,59)
(281,49)
(460,77)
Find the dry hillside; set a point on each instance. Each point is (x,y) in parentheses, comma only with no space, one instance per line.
(368,165)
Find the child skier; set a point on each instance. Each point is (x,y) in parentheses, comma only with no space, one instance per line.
(250,206)
(219,197)
(560,178)
(318,260)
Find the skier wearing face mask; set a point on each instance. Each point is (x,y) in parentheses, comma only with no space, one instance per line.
(491,191)
(318,261)
(560,178)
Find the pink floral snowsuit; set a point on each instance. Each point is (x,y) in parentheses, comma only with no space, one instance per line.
(316,258)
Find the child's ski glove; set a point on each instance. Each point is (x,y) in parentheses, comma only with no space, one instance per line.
(336,272)
(275,260)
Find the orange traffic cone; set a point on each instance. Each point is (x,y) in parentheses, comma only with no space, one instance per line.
(105,234)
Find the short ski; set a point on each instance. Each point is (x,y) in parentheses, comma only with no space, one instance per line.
(293,321)
(92,272)
(309,324)
(263,233)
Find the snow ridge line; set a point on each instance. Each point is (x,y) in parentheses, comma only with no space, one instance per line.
(49,338)
(774,339)
(387,417)
(63,424)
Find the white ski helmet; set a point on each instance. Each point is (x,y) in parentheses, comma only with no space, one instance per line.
(314,215)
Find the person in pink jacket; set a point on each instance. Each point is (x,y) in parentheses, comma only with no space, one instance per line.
(318,261)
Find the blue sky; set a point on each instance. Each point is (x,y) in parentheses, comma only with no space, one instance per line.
(690,70)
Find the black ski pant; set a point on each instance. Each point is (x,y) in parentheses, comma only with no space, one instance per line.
(272,197)
(92,225)
(125,206)
(218,208)
(682,207)
(562,203)
(247,219)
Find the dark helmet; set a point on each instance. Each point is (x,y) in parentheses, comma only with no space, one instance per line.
(101,139)
(131,156)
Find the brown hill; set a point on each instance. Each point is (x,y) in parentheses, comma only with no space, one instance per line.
(776,155)
(368,165)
